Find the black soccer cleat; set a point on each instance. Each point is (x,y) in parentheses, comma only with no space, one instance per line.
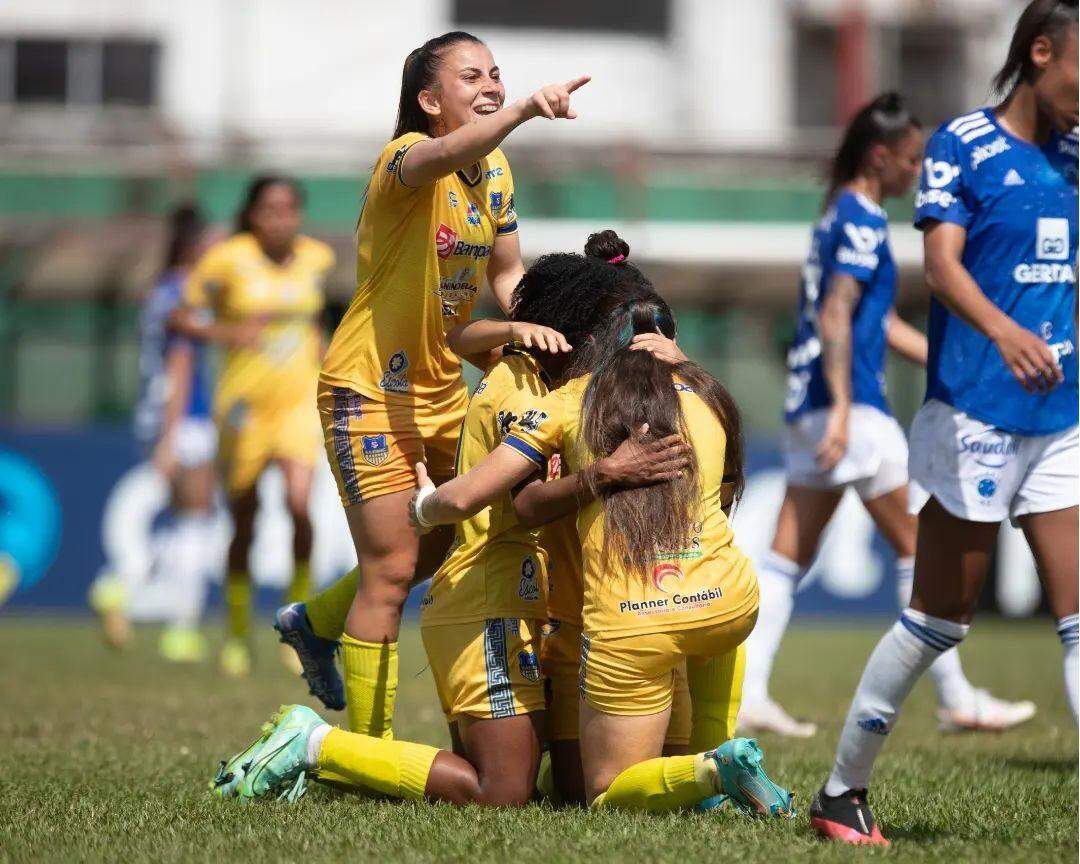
(846,818)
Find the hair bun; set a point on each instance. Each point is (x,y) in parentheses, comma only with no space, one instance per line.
(607,245)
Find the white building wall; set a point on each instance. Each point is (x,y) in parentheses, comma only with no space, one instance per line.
(322,76)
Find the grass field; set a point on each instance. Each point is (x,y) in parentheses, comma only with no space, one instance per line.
(106,757)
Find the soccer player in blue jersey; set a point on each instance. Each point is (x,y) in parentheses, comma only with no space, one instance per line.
(840,433)
(174,428)
(997,435)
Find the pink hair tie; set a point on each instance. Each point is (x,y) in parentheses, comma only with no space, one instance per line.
(618,259)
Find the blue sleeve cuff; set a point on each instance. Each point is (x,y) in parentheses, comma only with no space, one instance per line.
(527,450)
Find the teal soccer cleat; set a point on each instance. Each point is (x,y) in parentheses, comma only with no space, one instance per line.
(279,767)
(744,781)
(231,771)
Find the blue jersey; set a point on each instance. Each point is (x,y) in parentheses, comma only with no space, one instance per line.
(851,238)
(155,340)
(1017,202)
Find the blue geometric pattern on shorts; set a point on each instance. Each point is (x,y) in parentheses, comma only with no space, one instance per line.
(500,695)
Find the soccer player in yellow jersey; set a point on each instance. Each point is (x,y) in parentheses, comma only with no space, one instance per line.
(663,578)
(484,611)
(439,220)
(259,294)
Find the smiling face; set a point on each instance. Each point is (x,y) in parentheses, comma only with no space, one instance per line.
(468,86)
(1056,85)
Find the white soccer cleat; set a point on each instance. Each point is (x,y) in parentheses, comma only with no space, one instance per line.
(986,713)
(767,716)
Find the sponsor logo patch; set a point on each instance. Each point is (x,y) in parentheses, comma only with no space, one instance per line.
(374,449)
(472,215)
(528,586)
(532,419)
(875,725)
(505,419)
(393,379)
(988,151)
(493,172)
(445,240)
(986,487)
(452,198)
(1052,238)
(992,452)
(667,577)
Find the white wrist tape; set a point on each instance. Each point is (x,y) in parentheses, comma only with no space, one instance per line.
(422,495)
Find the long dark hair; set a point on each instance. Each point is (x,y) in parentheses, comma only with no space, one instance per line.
(1048,18)
(631,388)
(255,191)
(885,120)
(421,67)
(186,227)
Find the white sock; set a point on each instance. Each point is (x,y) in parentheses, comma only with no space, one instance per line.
(1068,630)
(954,691)
(778,578)
(314,744)
(192,542)
(902,655)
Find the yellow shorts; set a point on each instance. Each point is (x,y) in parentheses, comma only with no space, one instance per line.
(250,437)
(560,661)
(374,446)
(635,674)
(487,669)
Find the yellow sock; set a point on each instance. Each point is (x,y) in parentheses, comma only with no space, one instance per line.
(545,780)
(716,694)
(666,783)
(238,603)
(371,676)
(300,586)
(398,768)
(328,609)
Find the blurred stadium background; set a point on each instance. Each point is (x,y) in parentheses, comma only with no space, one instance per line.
(702,140)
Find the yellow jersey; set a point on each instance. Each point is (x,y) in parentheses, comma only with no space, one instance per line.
(709,581)
(235,281)
(495,568)
(562,548)
(422,254)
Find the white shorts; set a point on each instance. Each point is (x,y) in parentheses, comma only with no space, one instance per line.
(982,474)
(875,462)
(196,441)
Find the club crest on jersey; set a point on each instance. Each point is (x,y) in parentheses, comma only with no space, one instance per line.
(496,199)
(374,449)
(529,586)
(393,379)
(445,241)
(529,665)
(472,215)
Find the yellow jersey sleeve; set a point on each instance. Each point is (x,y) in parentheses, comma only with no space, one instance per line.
(501,194)
(386,179)
(538,432)
(209,279)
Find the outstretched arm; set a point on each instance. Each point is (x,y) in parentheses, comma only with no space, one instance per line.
(483,335)
(428,160)
(632,464)
(469,493)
